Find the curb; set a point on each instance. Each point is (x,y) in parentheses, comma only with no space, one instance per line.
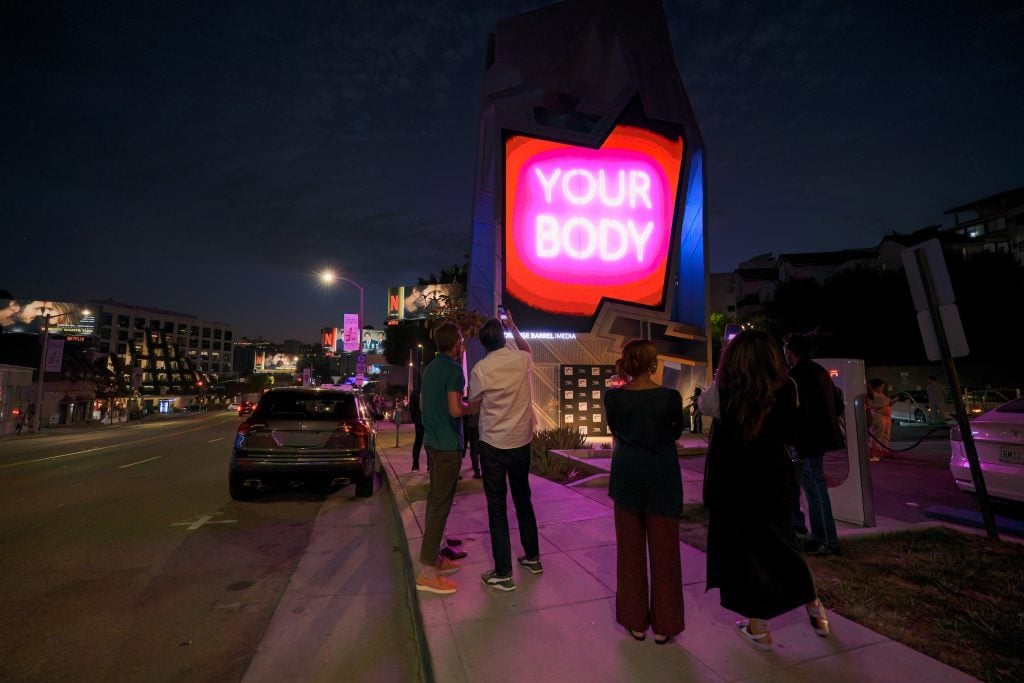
(426,662)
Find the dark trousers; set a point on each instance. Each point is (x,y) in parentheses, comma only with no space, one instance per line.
(819,507)
(472,443)
(417,445)
(513,465)
(444,476)
(637,537)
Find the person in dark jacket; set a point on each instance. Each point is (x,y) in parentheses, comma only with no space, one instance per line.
(754,556)
(817,432)
(646,419)
(417,421)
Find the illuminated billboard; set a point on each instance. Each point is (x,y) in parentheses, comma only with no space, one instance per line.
(373,340)
(419,301)
(329,338)
(270,361)
(29,315)
(583,225)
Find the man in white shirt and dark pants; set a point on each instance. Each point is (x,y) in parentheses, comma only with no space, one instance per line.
(501,384)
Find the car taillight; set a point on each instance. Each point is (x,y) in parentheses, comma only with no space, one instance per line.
(353,434)
(246,428)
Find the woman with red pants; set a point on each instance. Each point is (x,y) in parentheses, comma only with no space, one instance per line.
(646,419)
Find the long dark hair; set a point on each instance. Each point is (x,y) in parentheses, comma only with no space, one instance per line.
(750,370)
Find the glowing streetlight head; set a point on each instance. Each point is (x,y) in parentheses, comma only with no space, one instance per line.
(328,276)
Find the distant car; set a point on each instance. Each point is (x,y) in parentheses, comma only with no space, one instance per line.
(246,408)
(322,437)
(999,439)
(980,400)
(232,406)
(910,406)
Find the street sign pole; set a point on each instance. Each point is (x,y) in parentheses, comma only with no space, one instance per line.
(958,401)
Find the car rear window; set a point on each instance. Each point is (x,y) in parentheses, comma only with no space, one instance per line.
(1015,406)
(308,406)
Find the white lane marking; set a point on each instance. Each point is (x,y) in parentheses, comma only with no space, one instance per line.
(139,462)
(219,438)
(100,448)
(204,519)
(55,457)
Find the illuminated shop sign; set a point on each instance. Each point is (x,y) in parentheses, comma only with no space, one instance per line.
(586,224)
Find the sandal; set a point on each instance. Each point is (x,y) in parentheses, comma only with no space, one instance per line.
(661,640)
(637,635)
(759,641)
(818,618)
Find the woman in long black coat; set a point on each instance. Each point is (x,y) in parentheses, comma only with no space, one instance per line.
(754,557)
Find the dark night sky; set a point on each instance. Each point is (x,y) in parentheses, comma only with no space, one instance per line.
(210,157)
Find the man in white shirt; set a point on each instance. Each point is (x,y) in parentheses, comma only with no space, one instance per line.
(501,384)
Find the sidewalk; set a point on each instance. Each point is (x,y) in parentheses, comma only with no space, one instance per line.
(561,625)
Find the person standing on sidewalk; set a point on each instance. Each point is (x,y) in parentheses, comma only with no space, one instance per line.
(754,556)
(879,407)
(501,385)
(471,431)
(442,409)
(415,414)
(646,419)
(817,432)
(936,401)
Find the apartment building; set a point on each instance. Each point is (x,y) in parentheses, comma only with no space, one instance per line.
(161,341)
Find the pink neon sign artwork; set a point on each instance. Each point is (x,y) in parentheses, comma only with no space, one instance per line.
(583,224)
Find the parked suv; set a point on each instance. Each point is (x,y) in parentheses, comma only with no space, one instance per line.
(305,435)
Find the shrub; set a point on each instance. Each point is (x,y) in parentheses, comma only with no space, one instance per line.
(560,438)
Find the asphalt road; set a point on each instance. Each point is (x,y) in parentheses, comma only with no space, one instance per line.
(123,557)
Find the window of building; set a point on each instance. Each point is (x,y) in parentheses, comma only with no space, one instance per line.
(169,327)
(122,321)
(140,323)
(194,331)
(227,346)
(216,346)
(216,333)
(122,335)
(206,332)
(206,344)
(122,349)
(227,334)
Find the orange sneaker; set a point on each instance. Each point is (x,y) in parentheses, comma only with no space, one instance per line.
(446,566)
(441,584)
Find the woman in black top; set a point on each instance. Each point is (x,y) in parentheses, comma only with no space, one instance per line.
(646,419)
(754,557)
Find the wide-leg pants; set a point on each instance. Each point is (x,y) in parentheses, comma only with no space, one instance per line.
(639,537)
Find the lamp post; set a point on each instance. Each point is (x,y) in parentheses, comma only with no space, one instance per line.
(42,370)
(329,276)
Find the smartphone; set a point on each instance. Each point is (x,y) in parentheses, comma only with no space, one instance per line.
(502,313)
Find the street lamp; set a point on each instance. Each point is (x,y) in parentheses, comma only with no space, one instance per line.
(328,276)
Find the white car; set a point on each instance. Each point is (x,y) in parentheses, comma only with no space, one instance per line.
(999,439)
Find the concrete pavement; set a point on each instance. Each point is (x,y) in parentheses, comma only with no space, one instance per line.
(560,626)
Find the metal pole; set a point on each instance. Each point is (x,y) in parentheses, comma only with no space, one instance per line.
(958,402)
(36,417)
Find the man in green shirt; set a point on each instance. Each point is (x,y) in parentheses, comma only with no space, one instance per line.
(441,409)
